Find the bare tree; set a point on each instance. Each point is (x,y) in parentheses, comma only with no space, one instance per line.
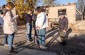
(49,2)
(81,7)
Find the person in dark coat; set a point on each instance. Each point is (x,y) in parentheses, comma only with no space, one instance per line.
(29,25)
(63,27)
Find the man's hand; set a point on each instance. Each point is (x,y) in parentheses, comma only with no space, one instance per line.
(64,30)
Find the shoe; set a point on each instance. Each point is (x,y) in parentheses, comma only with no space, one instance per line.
(43,47)
(30,40)
(6,45)
(28,43)
(36,42)
(63,43)
(12,52)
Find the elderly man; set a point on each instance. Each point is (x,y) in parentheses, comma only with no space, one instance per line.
(63,27)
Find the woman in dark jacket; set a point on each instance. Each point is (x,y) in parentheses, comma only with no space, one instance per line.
(29,25)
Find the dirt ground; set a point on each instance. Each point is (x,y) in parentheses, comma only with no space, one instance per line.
(75,44)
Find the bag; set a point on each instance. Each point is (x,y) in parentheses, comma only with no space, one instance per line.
(62,34)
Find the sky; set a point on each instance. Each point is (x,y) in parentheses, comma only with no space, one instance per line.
(66,1)
(2,2)
(62,2)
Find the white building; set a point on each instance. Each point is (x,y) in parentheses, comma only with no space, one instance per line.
(69,10)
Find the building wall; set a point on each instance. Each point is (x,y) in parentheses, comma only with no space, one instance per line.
(70,12)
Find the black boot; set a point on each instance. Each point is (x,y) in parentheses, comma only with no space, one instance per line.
(30,39)
(11,51)
(63,43)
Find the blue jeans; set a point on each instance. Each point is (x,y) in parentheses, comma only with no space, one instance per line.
(29,31)
(9,39)
(41,36)
(5,39)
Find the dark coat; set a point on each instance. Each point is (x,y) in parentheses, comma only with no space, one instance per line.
(28,18)
(63,23)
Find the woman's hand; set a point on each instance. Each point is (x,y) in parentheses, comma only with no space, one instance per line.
(12,20)
(37,27)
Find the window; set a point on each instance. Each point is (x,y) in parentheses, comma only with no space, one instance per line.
(61,12)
